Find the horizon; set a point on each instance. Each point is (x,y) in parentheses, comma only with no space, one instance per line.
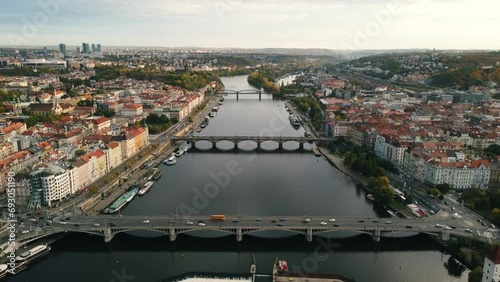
(255,24)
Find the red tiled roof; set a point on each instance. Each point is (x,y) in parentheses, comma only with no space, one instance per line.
(494,256)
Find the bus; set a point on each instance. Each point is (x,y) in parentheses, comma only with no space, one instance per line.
(218,217)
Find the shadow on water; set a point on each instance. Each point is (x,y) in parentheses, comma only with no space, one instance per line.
(186,243)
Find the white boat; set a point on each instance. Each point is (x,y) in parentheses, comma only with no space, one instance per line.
(3,270)
(294,121)
(170,161)
(212,114)
(146,188)
(33,253)
(179,152)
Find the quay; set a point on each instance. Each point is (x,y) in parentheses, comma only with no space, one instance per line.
(281,274)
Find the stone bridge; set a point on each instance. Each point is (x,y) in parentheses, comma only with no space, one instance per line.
(257,139)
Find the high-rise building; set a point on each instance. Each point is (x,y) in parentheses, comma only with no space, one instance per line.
(85,48)
(93,48)
(78,50)
(99,48)
(62,48)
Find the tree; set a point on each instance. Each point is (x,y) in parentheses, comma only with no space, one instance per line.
(476,275)
(443,188)
(79,153)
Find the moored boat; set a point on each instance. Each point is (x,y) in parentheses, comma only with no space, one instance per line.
(157,175)
(3,270)
(146,188)
(33,253)
(172,160)
(123,199)
(179,152)
(294,121)
(316,152)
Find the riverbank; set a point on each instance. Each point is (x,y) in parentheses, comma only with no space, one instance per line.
(338,162)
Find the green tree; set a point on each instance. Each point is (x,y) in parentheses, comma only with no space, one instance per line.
(476,275)
(79,153)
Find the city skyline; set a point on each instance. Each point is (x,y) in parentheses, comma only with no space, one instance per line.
(404,24)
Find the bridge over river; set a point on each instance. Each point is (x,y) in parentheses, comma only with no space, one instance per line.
(257,139)
(242,92)
(109,226)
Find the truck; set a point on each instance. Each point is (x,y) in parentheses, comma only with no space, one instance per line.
(218,217)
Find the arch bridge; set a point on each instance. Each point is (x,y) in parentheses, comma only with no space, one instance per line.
(172,226)
(257,139)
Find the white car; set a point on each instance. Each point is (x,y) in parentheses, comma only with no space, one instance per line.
(323,223)
(447,227)
(308,219)
(201,224)
(189,223)
(388,222)
(146,221)
(332,220)
(97,224)
(26,231)
(62,222)
(438,225)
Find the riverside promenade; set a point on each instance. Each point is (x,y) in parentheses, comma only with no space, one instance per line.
(338,162)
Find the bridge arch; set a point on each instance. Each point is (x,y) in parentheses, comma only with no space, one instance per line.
(164,231)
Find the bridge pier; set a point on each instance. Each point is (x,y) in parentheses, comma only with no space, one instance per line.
(260,95)
(376,235)
(280,145)
(444,236)
(309,235)
(301,146)
(258,145)
(239,235)
(193,144)
(108,235)
(214,145)
(172,234)
(237,95)
(235,145)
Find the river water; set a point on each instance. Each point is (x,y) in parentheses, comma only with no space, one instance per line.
(291,183)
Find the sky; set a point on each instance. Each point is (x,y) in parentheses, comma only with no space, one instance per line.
(329,24)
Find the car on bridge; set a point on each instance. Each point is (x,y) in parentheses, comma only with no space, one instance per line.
(388,222)
(189,223)
(202,224)
(409,226)
(332,220)
(323,223)
(146,221)
(97,224)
